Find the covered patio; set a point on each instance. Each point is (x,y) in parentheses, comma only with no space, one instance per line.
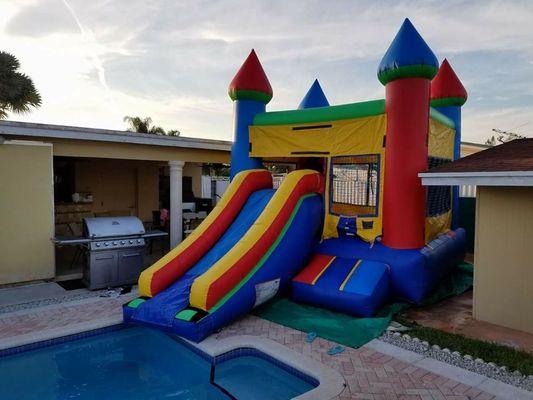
(57,175)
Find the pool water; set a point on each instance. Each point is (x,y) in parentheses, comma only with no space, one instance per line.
(139,363)
(253,378)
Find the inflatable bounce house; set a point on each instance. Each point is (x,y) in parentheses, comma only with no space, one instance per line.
(351,226)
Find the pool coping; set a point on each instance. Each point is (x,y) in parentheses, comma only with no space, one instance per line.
(63,331)
(331,382)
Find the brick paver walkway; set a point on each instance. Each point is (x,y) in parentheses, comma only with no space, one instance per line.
(368,373)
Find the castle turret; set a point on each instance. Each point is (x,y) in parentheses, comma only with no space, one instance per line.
(251,91)
(315,97)
(448,95)
(406,71)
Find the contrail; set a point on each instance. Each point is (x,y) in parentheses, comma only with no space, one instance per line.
(97,63)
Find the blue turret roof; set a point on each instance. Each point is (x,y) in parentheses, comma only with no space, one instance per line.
(315,97)
(408,56)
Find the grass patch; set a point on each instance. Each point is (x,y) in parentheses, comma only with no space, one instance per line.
(497,353)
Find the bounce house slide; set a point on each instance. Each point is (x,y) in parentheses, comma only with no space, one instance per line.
(246,250)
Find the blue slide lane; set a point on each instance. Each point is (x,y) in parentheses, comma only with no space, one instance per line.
(162,308)
(289,256)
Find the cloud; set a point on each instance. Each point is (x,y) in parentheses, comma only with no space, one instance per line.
(516,120)
(174,60)
(44,17)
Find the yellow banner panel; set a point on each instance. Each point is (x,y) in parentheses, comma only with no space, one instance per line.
(344,137)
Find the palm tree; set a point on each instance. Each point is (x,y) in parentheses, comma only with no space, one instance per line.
(17,92)
(138,124)
(144,125)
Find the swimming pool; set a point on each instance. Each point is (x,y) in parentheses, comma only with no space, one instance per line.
(140,363)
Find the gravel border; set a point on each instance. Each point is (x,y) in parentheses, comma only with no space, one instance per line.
(465,361)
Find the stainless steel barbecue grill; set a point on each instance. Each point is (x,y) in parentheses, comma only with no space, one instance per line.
(114,250)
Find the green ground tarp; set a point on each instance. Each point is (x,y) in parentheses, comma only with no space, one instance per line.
(348,330)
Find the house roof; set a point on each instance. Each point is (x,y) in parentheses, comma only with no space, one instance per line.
(516,155)
(35,130)
(473,144)
(509,164)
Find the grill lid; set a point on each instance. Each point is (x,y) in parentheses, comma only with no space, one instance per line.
(102,227)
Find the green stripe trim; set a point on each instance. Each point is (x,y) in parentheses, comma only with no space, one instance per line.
(136,303)
(321,114)
(186,315)
(448,101)
(440,117)
(335,113)
(249,95)
(407,71)
(265,256)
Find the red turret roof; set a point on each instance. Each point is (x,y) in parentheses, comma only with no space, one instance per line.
(251,82)
(446,88)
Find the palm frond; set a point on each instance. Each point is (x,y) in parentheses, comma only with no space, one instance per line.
(17,91)
(8,63)
(144,125)
(157,130)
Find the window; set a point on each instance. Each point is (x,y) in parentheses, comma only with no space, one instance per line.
(354,185)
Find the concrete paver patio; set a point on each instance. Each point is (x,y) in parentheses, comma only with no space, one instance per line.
(455,315)
(375,371)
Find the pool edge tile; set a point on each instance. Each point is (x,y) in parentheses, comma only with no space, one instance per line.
(41,339)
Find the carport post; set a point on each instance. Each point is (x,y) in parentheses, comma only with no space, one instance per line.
(176,202)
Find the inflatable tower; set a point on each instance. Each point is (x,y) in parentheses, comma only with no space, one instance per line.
(406,71)
(314,97)
(251,91)
(448,96)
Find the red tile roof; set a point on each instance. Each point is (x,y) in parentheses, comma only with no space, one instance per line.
(516,155)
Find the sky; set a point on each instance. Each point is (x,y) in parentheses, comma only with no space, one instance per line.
(96,61)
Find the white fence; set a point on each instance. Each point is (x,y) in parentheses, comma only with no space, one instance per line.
(213,187)
(467,191)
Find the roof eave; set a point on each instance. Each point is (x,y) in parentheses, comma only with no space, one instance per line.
(12,128)
(486,178)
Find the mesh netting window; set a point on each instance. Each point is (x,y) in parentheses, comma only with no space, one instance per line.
(439,198)
(354,185)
